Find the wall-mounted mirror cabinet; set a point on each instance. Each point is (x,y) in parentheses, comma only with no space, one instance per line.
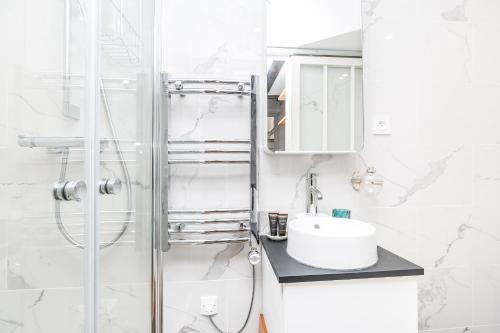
(314,77)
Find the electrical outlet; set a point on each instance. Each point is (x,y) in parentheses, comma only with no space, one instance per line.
(208,305)
(381,125)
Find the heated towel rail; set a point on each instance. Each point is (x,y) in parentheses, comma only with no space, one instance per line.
(230,225)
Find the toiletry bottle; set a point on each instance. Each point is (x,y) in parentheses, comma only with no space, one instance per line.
(282,221)
(273,224)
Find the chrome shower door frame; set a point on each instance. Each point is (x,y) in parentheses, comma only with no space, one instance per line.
(159,141)
(92,165)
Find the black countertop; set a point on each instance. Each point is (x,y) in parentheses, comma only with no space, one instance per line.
(288,270)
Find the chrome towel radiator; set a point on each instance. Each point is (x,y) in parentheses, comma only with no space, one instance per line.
(228,225)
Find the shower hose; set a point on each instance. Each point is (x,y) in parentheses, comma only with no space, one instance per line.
(123,165)
(249,309)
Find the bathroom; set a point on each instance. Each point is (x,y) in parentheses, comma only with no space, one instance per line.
(106,93)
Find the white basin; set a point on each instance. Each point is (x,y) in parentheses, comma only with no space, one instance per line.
(332,243)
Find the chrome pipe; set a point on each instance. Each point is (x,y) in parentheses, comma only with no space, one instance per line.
(208,162)
(207,241)
(208,231)
(208,91)
(207,221)
(208,81)
(209,211)
(183,141)
(209,151)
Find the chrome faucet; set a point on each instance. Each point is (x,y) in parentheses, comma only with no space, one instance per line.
(313,194)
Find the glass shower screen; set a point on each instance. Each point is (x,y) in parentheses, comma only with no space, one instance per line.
(76,103)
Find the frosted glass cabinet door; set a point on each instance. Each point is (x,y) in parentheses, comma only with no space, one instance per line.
(358,109)
(311,107)
(339,108)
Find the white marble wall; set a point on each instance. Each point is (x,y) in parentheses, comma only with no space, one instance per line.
(431,66)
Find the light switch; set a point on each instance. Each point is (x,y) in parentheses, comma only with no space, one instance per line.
(381,125)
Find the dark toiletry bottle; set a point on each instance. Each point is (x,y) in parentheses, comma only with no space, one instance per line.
(282,221)
(273,224)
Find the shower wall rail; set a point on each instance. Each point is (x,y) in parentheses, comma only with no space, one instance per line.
(61,142)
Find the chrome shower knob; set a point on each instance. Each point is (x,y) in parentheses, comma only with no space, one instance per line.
(73,190)
(110,186)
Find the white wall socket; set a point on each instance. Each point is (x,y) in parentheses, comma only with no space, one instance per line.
(381,125)
(208,305)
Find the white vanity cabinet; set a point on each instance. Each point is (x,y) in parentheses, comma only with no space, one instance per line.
(361,305)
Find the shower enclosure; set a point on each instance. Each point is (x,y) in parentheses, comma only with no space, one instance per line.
(77,107)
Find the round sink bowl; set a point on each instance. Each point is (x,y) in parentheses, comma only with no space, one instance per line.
(332,243)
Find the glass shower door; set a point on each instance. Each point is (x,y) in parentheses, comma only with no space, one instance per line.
(75,145)
(46,183)
(126,112)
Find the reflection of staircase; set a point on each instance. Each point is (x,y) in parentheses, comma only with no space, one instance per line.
(120,41)
(117,49)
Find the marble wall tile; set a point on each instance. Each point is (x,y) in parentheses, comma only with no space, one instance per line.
(452,330)
(486,174)
(399,103)
(454,11)
(396,228)
(214,262)
(32,310)
(402,171)
(445,299)
(445,237)
(182,306)
(482,126)
(483,11)
(485,235)
(218,50)
(238,298)
(3,256)
(443,106)
(487,295)
(485,329)
(122,308)
(420,175)
(441,167)
(388,9)
(480,37)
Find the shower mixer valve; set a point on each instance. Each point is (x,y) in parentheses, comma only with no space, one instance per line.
(73,190)
(110,186)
